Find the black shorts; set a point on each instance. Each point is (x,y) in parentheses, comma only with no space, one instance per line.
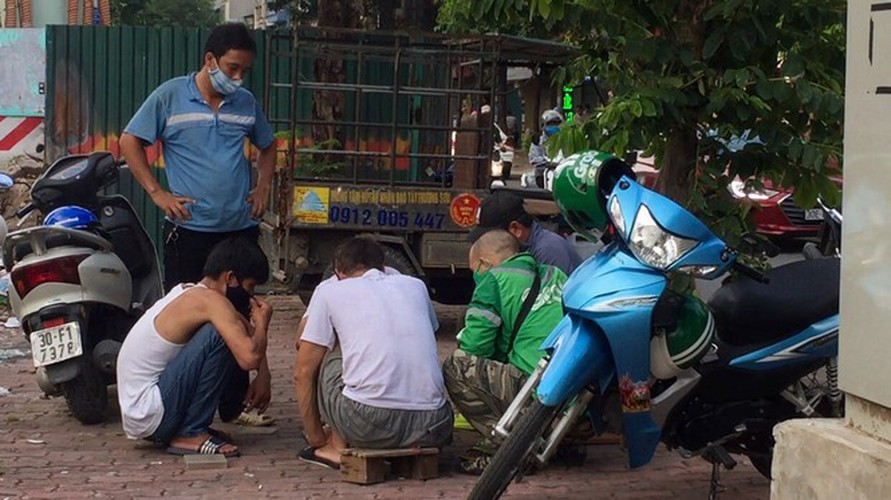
(186,250)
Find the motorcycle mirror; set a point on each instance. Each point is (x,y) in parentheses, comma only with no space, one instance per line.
(6,181)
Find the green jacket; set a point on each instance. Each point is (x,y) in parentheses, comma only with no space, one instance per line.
(496,303)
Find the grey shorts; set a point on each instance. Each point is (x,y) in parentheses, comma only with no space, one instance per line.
(366,426)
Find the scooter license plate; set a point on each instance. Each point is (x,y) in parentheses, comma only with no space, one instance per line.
(56,344)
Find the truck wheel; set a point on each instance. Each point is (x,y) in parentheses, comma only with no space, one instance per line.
(395,259)
(87,394)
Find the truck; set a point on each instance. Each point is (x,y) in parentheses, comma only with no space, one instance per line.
(389,135)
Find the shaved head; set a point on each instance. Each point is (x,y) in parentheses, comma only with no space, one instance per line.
(494,247)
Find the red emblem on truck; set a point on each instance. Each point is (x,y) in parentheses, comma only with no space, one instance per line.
(465,209)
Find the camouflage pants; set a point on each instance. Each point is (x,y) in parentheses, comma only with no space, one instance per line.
(481,389)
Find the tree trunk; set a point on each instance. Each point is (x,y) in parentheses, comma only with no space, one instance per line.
(678,166)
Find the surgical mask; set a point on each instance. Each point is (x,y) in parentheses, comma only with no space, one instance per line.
(240,299)
(222,83)
(477,274)
(551,130)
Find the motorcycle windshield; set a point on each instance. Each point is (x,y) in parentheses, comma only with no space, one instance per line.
(664,235)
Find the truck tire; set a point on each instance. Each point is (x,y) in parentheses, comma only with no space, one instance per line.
(87,394)
(397,260)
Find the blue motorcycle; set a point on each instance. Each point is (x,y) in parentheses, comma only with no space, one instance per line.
(635,357)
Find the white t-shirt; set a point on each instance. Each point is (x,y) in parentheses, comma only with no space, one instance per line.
(143,357)
(385,325)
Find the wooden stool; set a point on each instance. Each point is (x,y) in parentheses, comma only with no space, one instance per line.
(364,466)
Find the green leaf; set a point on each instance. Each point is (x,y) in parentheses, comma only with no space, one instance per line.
(808,159)
(712,43)
(544,6)
(649,109)
(636,109)
(795,149)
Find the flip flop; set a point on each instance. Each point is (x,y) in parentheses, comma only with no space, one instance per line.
(225,436)
(309,456)
(254,418)
(210,446)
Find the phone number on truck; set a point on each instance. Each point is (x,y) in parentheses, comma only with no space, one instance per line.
(385,218)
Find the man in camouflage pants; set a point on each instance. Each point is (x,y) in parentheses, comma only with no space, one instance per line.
(486,372)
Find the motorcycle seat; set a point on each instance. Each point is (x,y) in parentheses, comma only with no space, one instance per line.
(799,294)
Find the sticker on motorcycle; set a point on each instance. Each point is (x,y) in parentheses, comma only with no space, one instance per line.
(635,395)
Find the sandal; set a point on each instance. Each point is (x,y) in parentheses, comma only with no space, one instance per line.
(254,418)
(210,446)
(309,456)
(223,435)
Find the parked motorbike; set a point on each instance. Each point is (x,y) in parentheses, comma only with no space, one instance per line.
(635,357)
(828,242)
(81,280)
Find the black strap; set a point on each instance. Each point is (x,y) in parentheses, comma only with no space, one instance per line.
(524,310)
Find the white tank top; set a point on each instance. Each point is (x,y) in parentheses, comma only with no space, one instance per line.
(144,355)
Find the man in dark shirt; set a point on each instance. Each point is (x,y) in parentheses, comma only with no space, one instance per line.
(504,210)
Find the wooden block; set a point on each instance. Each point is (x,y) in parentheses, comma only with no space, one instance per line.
(365,466)
(361,470)
(604,439)
(200,462)
(416,467)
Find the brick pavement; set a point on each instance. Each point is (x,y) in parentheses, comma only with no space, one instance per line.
(45,453)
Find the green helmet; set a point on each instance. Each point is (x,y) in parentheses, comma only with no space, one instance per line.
(672,351)
(582,183)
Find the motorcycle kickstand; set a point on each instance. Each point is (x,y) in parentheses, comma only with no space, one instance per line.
(719,458)
(715,487)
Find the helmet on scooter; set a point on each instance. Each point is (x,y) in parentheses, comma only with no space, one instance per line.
(582,183)
(672,351)
(72,217)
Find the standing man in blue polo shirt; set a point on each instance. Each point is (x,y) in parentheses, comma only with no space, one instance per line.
(202,121)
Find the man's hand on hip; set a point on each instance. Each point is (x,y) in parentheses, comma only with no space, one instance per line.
(172,205)
(258,199)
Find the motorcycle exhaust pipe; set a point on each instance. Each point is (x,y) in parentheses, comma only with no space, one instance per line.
(563,425)
(105,355)
(43,381)
(507,421)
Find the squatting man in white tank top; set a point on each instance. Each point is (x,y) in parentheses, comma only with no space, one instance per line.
(176,363)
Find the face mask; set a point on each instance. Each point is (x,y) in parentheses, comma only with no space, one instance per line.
(551,130)
(240,299)
(221,82)
(477,274)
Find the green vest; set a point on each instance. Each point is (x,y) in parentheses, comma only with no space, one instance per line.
(496,303)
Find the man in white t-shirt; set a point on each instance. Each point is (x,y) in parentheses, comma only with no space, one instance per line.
(383,387)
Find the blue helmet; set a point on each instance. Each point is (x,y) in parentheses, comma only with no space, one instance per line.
(72,217)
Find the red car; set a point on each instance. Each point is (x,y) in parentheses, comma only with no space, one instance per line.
(776,215)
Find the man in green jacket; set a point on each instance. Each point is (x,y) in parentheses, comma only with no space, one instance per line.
(486,372)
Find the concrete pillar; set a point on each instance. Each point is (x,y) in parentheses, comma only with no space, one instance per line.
(851,458)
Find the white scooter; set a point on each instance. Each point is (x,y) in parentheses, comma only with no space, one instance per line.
(79,284)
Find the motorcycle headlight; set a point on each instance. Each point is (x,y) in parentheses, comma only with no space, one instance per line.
(655,246)
(618,218)
(495,168)
(738,189)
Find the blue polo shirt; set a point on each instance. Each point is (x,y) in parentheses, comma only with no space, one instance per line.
(550,248)
(204,151)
